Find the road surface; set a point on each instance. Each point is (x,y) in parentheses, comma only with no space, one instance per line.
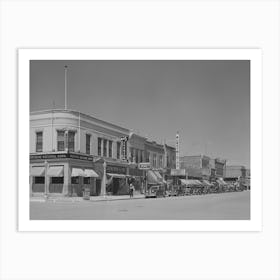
(223,206)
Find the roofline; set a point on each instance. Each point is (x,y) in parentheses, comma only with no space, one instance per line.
(82,114)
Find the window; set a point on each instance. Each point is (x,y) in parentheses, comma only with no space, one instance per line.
(39,141)
(118,150)
(99,143)
(86,180)
(104,148)
(141,156)
(136,156)
(160,161)
(57,180)
(74,180)
(147,157)
(71,141)
(154,160)
(39,180)
(88,144)
(110,148)
(60,140)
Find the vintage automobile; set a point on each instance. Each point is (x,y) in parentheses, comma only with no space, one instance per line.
(155,191)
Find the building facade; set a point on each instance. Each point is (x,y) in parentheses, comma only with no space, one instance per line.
(71,151)
(237,173)
(197,166)
(65,147)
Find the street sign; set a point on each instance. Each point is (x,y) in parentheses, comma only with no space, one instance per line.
(178,172)
(144,165)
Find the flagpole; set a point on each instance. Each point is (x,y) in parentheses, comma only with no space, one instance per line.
(65,87)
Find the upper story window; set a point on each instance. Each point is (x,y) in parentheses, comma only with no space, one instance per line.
(39,141)
(88,136)
(118,150)
(105,148)
(160,161)
(71,141)
(154,160)
(99,144)
(60,140)
(110,148)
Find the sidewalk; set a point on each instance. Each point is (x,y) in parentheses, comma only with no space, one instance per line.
(92,198)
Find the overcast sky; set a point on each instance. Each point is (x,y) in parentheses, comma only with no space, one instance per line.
(208,102)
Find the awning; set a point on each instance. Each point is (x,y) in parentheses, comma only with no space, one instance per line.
(77,172)
(158,175)
(221,181)
(206,183)
(90,173)
(37,171)
(55,171)
(152,178)
(190,182)
(116,175)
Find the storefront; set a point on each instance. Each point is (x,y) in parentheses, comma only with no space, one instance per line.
(65,174)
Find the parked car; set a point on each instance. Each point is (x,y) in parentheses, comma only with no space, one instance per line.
(155,191)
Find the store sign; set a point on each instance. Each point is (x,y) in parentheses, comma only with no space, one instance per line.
(144,165)
(124,147)
(115,169)
(178,172)
(61,156)
(177,146)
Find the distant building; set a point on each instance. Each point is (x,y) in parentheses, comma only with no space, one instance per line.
(238,173)
(220,167)
(197,167)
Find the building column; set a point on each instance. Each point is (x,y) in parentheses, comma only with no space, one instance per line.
(101,154)
(46,180)
(67,179)
(104,179)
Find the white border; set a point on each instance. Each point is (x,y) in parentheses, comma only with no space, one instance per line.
(254,55)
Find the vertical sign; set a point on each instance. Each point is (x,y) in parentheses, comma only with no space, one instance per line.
(124,147)
(177,151)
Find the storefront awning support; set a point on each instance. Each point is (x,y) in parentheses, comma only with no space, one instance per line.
(103,183)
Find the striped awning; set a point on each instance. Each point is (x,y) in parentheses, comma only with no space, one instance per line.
(152,178)
(76,172)
(37,171)
(90,173)
(55,171)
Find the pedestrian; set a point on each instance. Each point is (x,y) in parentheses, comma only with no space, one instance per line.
(131,190)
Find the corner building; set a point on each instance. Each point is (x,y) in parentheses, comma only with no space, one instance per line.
(66,148)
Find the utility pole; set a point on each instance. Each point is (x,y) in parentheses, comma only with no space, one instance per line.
(65,87)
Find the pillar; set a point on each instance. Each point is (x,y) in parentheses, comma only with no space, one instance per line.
(104,179)
(67,179)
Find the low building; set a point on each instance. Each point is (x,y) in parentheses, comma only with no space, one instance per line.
(197,166)
(237,173)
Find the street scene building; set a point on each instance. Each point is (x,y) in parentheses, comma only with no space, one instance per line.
(70,151)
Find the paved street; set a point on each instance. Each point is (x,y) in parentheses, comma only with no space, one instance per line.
(223,206)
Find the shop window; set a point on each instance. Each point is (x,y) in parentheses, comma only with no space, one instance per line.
(104,148)
(118,150)
(86,180)
(71,141)
(74,180)
(60,140)
(57,180)
(99,143)
(88,144)
(39,142)
(110,148)
(39,180)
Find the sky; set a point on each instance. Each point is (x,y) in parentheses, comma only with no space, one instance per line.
(208,102)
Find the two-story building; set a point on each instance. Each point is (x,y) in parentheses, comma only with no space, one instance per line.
(65,151)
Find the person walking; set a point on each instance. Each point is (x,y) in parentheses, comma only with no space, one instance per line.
(131,190)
